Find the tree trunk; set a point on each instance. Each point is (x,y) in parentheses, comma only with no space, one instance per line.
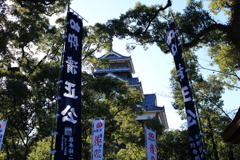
(212,139)
(230,155)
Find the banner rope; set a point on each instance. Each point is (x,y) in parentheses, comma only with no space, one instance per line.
(70,9)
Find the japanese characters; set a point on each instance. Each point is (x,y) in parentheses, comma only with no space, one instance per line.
(2,130)
(68,141)
(98,139)
(197,151)
(151,144)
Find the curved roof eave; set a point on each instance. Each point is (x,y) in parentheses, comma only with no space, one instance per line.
(231,133)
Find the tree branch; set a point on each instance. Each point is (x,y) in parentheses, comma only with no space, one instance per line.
(204,32)
(169,3)
(219,71)
(39,63)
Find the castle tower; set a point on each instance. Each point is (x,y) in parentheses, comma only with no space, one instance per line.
(122,67)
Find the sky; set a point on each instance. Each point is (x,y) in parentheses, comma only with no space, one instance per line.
(152,67)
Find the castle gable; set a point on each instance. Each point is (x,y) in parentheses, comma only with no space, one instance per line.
(113,55)
(114,76)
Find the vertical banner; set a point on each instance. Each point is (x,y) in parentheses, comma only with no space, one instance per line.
(151,144)
(97,139)
(2,131)
(68,139)
(195,141)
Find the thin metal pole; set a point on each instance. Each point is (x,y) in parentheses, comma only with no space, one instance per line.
(146,142)
(56,104)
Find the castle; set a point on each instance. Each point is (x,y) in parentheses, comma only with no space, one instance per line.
(122,67)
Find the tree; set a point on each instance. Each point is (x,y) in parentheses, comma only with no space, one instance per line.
(41,150)
(28,84)
(197,28)
(213,119)
(119,109)
(27,102)
(173,144)
(110,98)
(25,24)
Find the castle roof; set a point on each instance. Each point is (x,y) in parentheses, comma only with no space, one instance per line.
(114,56)
(231,133)
(150,103)
(133,81)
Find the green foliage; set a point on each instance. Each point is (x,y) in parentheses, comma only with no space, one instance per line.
(216,6)
(154,125)
(227,58)
(111,98)
(197,28)
(209,106)
(28,90)
(140,24)
(27,103)
(25,24)
(132,152)
(173,145)
(41,150)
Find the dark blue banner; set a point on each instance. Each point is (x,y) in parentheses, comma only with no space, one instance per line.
(68,141)
(195,141)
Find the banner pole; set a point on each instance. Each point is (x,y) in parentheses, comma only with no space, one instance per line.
(92,141)
(56,104)
(68,136)
(196,145)
(193,93)
(146,142)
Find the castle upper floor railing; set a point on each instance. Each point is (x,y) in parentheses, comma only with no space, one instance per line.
(114,69)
